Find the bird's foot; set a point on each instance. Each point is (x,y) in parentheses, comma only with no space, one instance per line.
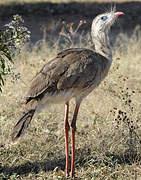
(67,175)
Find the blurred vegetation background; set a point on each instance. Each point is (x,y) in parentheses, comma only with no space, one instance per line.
(108,141)
(37,13)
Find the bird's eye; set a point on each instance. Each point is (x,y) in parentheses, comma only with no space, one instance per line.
(103,18)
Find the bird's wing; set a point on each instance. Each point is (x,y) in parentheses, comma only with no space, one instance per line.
(71,68)
(48,77)
(88,69)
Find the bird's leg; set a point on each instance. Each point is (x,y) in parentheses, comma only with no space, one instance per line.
(67,128)
(73,129)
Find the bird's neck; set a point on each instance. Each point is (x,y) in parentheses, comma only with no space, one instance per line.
(102,44)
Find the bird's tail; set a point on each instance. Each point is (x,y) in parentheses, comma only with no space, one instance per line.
(22,124)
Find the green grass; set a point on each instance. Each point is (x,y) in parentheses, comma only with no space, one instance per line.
(108,139)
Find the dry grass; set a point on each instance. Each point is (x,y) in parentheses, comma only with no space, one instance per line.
(108,140)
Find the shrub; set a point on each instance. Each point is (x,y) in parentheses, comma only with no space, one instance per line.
(12,38)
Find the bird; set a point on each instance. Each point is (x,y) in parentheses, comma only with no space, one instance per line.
(73,73)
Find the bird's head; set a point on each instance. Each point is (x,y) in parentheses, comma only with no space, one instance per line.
(103,22)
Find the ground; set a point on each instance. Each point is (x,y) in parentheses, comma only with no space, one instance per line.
(108,139)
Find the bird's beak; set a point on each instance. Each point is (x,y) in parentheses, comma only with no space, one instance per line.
(118,14)
(113,17)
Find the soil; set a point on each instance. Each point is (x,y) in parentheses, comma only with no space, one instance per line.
(50,15)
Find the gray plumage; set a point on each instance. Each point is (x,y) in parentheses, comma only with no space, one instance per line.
(73,68)
(73,73)
(22,124)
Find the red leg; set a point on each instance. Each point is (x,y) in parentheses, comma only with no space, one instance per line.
(66,124)
(73,129)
